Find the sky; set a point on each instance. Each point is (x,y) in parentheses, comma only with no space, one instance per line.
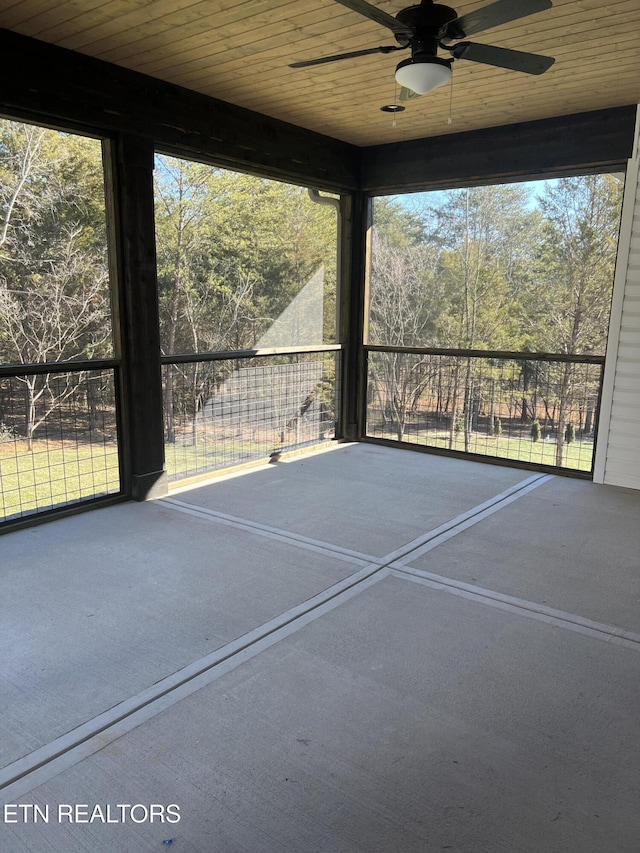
(419,200)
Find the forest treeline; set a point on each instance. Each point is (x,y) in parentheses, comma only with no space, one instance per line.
(233,251)
(520,268)
(512,267)
(487,267)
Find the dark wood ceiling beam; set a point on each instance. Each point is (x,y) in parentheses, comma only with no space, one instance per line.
(50,84)
(593,141)
(66,89)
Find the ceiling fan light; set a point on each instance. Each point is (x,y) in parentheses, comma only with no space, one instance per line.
(423,74)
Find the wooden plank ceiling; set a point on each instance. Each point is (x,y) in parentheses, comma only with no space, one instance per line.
(239,51)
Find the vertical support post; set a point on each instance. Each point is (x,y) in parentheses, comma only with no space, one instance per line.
(354,223)
(129,169)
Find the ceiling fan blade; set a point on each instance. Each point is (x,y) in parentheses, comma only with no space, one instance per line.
(500,12)
(377,15)
(407,94)
(385,48)
(516,60)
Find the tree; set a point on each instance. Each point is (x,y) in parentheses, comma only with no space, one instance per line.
(485,233)
(403,309)
(513,272)
(535,430)
(54,293)
(233,252)
(569,305)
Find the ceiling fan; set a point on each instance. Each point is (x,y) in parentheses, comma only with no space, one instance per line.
(428,26)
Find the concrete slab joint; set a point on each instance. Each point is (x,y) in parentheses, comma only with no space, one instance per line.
(348,580)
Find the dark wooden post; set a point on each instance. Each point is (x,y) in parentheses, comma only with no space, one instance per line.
(354,224)
(129,163)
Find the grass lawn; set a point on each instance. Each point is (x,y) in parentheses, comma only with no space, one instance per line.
(578,455)
(60,473)
(55,473)
(184,460)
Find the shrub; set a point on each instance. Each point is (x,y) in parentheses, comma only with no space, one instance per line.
(6,433)
(497,426)
(569,433)
(535,431)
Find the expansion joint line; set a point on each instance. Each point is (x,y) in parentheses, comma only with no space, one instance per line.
(67,750)
(48,761)
(404,554)
(440,535)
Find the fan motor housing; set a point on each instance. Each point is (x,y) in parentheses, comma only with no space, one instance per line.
(427,19)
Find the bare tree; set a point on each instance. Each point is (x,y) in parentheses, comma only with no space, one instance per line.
(54,297)
(403,306)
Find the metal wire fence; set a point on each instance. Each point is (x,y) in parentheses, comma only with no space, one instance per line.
(538,409)
(58,440)
(221,412)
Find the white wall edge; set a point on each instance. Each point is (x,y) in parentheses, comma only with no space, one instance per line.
(617,302)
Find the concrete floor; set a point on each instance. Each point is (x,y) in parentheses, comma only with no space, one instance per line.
(363,650)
